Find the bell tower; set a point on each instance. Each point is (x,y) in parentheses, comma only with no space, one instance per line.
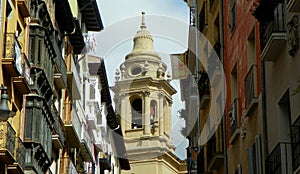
(143,99)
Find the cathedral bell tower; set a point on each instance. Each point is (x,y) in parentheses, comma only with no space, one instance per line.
(143,99)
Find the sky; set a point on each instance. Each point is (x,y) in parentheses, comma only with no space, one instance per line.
(166,20)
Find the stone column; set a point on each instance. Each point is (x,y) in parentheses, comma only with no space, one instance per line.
(146,113)
(125,118)
(168,118)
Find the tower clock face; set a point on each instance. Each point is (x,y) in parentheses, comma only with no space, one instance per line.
(135,70)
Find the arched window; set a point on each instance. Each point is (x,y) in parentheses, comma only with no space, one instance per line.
(136,111)
(153,111)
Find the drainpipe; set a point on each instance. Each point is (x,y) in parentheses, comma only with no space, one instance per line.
(264,110)
(222,59)
(1,40)
(197,67)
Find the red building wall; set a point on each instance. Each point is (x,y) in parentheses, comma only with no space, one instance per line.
(235,51)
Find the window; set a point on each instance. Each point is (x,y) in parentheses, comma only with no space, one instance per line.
(153,111)
(251,51)
(254,157)
(232,15)
(136,111)
(92,91)
(234,83)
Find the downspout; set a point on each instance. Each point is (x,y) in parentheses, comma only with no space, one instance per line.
(222,59)
(264,110)
(197,68)
(2,40)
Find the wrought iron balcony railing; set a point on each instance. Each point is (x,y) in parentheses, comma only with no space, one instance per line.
(215,153)
(60,70)
(7,143)
(20,153)
(280,159)
(58,128)
(273,25)
(250,87)
(295,139)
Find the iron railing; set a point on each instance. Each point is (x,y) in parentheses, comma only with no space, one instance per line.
(58,125)
(136,120)
(214,147)
(250,85)
(295,139)
(20,153)
(7,137)
(279,159)
(233,116)
(76,122)
(277,24)
(60,62)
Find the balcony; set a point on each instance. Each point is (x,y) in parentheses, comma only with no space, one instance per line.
(21,83)
(11,62)
(295,139)
(204,90)
(18,166)
(58,134)
(215,156)
(73,128)
(91,15)
(293,6)
(280,159)
(60,68)
(273,34)
(7,143)
(92,111)
(86,147)
(104,162)
(36,161)
(251,90)
(42,52)
(234,121)
(74,81)
(38,123)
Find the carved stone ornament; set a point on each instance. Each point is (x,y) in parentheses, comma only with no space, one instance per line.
(292,36)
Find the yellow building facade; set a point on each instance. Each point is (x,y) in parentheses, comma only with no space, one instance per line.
(204,60)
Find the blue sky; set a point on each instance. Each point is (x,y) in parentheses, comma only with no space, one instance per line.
(166,20)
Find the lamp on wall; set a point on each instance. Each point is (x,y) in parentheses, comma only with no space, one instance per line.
(5,112)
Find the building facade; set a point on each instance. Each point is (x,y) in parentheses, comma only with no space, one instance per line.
(279,36)
(204,61)
(44,74)
(242,67)
(143,98)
